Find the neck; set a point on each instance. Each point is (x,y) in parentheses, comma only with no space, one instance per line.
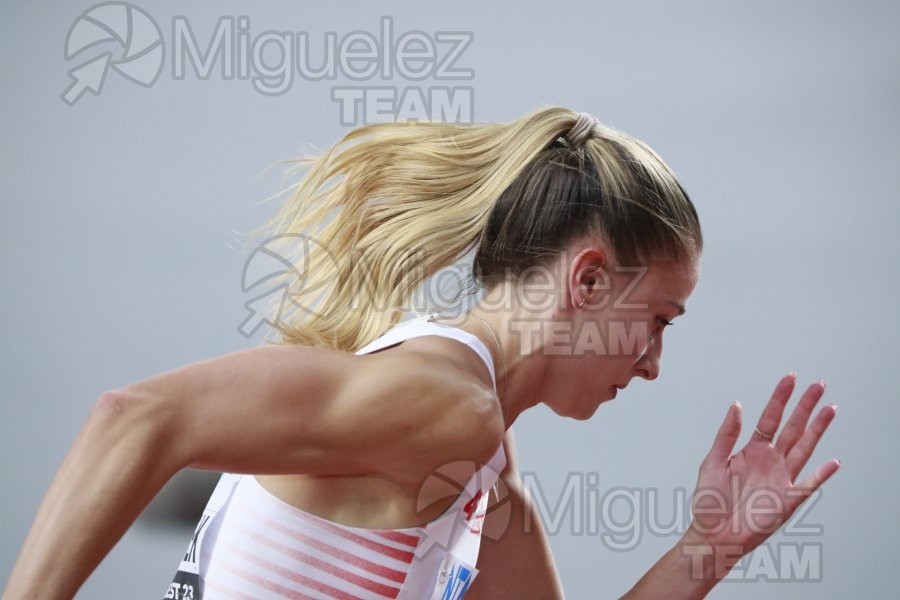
(519,375)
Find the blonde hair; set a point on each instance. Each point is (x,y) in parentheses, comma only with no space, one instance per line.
(391,204)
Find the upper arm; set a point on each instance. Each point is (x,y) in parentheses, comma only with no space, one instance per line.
(295,409)
(515,560)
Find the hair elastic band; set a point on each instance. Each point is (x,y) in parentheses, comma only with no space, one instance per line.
(582,129)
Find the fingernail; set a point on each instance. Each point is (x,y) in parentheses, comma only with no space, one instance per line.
(823,383)
(833,405)
(838,461)
(792,374)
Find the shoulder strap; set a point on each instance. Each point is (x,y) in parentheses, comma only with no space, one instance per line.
(422,326)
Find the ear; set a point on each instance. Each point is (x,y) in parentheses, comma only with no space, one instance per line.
(589,282)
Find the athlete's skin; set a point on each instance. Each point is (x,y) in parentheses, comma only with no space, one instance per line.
(352,438)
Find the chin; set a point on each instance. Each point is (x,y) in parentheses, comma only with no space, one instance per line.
(580,412)
(585,407)
(585,417)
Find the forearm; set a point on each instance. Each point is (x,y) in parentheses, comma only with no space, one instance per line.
(515,560)
(686,572)
(117,464)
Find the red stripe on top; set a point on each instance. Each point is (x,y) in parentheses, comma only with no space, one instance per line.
(231,593)
(287,592)
(331,569)
(396,536)
(396,553)
(356,561)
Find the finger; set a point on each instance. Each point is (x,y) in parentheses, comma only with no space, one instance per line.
(804,490)
(803,449)
(796,425)
(770,419)
(729,431)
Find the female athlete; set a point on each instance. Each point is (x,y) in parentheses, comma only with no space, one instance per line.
(370,456)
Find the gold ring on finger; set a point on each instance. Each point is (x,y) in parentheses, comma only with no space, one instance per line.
(766,436)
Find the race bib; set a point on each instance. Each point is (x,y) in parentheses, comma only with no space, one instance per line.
(186,583)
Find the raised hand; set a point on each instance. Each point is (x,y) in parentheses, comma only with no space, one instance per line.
(741,499)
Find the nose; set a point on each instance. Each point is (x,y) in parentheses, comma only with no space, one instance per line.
(647,366)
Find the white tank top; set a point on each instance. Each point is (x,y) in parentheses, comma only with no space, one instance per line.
(251,544)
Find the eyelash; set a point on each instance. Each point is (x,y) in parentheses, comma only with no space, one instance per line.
(663,322)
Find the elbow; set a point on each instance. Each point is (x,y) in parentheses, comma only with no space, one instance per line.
(127,416)
(123,409)
(110,405)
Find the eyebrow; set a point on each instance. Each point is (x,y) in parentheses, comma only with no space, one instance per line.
(679,306)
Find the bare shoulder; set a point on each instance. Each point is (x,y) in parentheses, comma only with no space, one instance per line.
(301,410)
(435,408)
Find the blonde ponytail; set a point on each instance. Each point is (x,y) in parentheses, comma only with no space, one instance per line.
(391,204)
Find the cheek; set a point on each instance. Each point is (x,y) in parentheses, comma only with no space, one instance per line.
(613,343)
(630,338)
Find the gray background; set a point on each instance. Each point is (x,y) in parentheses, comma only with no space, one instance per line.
(119,261)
